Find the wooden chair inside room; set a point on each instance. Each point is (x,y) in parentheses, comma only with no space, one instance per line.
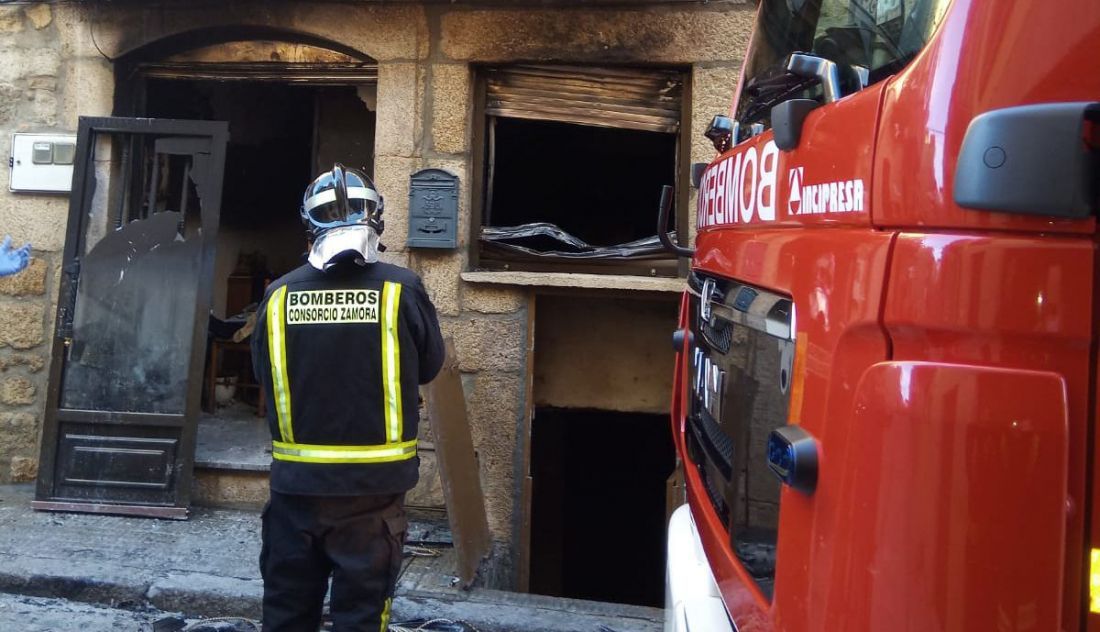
(225,351)
(220,351)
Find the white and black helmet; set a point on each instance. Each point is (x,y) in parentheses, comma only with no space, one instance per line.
(341,197)
(342,211)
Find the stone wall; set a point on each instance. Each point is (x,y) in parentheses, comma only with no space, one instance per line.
(489,322)
(48,76)
(59,63)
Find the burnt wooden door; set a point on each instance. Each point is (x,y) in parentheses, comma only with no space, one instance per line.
(132,314)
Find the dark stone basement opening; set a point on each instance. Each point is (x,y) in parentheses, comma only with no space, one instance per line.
(598,505)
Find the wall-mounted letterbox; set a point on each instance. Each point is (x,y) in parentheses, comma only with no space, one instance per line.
(433,209)
(42,162)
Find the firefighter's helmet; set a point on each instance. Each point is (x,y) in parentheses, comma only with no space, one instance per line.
(342,211)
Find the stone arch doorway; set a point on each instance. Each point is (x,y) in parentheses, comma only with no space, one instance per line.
(294,104)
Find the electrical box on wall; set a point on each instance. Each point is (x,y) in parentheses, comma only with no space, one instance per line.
(42,163)
(433,209)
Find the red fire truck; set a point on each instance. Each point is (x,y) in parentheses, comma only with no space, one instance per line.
(885,400)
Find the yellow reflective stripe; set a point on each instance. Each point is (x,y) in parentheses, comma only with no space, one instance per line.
(386,615)
(391,361)
(276,347)
(307,453)
(1094,582)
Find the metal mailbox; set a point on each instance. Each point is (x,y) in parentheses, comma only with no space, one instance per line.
(433,209)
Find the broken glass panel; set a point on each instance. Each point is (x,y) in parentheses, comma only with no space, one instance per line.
(130,339)
(132,327)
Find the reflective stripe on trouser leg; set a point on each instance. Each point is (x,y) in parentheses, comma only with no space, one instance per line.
(276,348)
(391,361)
(386,615)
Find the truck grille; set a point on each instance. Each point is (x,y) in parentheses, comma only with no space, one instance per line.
(739,375)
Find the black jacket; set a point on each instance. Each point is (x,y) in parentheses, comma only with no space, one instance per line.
(341,386)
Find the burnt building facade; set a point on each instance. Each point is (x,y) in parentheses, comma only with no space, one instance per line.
(554,126)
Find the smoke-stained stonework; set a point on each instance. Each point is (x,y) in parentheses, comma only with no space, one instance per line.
(65,60)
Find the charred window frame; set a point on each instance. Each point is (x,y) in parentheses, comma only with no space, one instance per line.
(529,121)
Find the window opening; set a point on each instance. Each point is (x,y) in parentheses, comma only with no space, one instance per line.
(575,161)
(591,469)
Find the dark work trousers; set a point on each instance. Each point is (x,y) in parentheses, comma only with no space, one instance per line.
(355,539)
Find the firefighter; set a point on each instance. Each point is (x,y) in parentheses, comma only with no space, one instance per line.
(340,344)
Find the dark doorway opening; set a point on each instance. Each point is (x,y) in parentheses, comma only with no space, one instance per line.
(598,504)
(281,135)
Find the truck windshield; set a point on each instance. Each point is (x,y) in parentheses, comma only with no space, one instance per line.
(869,39)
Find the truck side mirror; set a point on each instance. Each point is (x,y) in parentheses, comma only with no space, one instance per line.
(788,117)
(1041,159)
(813,67)
(787,120)
(722,132)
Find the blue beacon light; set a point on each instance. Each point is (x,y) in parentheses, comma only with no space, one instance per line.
(792,457)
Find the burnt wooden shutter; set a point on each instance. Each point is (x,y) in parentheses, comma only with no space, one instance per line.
(606,97)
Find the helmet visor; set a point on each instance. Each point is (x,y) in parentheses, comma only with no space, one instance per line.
(324,211)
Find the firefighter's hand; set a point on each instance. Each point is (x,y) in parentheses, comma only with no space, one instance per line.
(13,261)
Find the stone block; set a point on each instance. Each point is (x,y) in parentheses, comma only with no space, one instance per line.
(23,469)
(33,362)
(395,257)
(17,422)
(71,22)
(711,93)
(494,407)
(399,111)
(30,282)
(37,220)
(88,90)
(646,34)
(391,176)
(385,32)
(44,109)
(493,299)
(21,324)
(429,489)
(17,391)
(491,343)
(440,272)
(450,108)
(382,31)
(11,97)
(29,62)
(46,82)
(20,433)
(40,15)
(233,489)
(11,19)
